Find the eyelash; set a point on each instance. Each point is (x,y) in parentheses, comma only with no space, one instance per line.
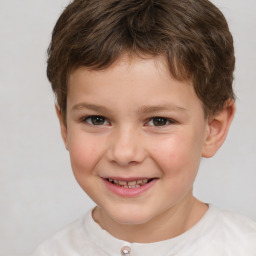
(166,121)
(87,118)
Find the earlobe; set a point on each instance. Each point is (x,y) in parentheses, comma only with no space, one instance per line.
(218,126)
(63,126)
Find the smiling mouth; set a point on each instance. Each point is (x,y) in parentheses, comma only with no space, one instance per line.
(130,184)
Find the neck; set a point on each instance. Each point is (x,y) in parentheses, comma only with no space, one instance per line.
(169,224)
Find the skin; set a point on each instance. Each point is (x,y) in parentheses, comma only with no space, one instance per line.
(129,143)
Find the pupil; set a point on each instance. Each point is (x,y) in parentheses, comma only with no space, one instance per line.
(98,120)
(158,121)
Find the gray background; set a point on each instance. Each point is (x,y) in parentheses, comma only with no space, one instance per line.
(38,194)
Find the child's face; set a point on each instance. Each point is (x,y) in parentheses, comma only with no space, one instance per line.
(129,123)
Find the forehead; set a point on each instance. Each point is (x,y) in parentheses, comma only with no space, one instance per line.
(141,67)
(131,84)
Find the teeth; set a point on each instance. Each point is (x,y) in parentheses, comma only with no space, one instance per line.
(132,183)
(122,183)
(129,184)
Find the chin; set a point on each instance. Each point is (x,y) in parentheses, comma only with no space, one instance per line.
(128,217)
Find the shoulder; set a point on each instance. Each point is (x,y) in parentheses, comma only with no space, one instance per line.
(234,230)
(229,220)
(68,241)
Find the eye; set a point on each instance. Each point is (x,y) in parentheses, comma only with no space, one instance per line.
(96,120)
(159,121)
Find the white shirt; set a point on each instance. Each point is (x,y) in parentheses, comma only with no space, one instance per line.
(218,233)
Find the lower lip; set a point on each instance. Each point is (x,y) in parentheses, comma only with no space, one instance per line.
(129,192)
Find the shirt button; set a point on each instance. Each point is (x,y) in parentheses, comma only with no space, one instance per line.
(125,251)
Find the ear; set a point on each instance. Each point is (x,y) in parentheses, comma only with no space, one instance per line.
(63,126)
(218,126)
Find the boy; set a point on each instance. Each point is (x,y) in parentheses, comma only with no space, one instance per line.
(144,91)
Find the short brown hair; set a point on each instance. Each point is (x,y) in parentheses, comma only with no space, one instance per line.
(192,35)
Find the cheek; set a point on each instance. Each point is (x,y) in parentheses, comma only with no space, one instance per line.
(178,156)
(84,152)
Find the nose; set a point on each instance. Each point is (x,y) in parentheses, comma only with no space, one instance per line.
(126,147)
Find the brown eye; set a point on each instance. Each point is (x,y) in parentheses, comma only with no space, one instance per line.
(96,120)
(159,121)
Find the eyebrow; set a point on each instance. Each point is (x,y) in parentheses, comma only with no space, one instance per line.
(161,108)
(89,106)
(144,109)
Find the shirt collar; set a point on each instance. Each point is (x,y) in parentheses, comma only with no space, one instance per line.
(112,245)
